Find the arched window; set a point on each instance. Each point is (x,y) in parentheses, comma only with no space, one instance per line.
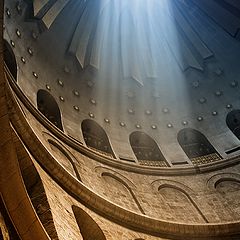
(48,107)
(233,122)
(89,229)
(9,59)
(95,137)
(146,150)
(197,147)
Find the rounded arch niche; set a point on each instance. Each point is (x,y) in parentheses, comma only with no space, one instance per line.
(9,59)
(179,206)
(48,106)
(197,147)
(233,122)
(146,150)
(96,138)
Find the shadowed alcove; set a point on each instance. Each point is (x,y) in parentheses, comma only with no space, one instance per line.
(87,226)
(49,108)
(9,59)
(233,122)
(146,150)
(197,147)
(95,137)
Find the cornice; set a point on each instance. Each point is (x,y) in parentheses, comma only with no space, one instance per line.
(92,200)
(130,167)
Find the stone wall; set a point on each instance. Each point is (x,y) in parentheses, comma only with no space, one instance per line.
(66,224)
(187,198)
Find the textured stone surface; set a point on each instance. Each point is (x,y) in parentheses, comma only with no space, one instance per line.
(61,205)
(152,201)
(46,201)
(176,207)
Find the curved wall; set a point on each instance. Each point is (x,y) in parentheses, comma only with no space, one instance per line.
(82,93)
(83,187)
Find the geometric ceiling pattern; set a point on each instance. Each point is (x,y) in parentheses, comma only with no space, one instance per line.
(137,36)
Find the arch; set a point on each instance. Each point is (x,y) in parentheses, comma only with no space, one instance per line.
(89,229)
(218,178)
(102,170)
(130,190)
(122,189)
(95,137)
(36,192)
(226,186)
(181,206)
(197,147)
(48,106)
(146,150)
(9,59)
(64,158)
(233,122)
(156,184)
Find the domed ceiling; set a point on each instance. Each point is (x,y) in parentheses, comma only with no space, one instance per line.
(152,66)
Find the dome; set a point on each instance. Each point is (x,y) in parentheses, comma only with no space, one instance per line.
(123,116)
